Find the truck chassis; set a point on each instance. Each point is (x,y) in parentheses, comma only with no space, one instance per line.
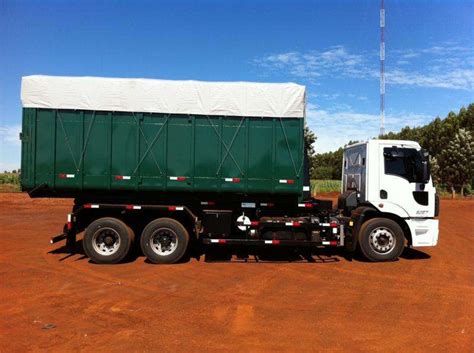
(311,224)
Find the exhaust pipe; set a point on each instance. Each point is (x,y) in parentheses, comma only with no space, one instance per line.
(58,238)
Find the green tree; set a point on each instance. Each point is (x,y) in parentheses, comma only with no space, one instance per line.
(434,167)
(456,162)
(323,173)
(309,139)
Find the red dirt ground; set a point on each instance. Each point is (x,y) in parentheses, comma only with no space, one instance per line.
(52,302)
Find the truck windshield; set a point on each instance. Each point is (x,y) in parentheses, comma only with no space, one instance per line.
(407,163)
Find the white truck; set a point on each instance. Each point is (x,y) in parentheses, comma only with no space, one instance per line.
(388,193)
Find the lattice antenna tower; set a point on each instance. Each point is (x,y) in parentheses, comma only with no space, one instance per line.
(382,68)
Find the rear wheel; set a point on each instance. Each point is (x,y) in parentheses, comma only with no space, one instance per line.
(107,240)
(381,239)
(164,241)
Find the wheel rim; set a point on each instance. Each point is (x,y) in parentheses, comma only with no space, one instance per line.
(382,240)
(164,241)
(106,241)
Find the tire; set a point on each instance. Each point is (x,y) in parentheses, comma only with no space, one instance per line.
(381,239)
(164,241)
(99,235)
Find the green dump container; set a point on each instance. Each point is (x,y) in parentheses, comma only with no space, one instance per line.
(87,134)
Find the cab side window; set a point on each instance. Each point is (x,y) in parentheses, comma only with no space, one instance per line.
(395,166)
(403,165)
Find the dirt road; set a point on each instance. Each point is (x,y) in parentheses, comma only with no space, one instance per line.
(54,302)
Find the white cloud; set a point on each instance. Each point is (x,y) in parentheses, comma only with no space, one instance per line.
(409,55)
(6,166)
(454,79)
(9,147)
(312,64)
(402,62)
(9,134)
(447,66)
(336,128)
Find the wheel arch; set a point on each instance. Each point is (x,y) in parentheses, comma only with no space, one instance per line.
(364,213)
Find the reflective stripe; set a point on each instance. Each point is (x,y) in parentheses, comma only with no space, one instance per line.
(248,204)
(274,242)
(178,178)
(306,205)
(66,176)
(232,180)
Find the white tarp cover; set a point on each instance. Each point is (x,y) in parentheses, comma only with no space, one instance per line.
(162,96)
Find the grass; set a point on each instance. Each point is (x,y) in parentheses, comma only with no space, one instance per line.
(322,186)
(9,182)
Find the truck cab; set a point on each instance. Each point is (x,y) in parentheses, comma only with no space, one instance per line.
(390,179)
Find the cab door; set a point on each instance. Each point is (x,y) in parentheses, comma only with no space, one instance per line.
(400,191)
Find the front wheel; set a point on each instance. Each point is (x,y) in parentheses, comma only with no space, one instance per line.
(381,239)
(164,241)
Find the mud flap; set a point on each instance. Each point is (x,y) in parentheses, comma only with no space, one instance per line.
(70,239)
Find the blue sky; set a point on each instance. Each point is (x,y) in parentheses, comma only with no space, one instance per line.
(330,46)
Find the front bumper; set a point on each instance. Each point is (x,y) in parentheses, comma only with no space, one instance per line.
(424,232)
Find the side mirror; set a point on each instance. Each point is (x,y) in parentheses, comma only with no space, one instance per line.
(425,172)
(425,167)
(424,154)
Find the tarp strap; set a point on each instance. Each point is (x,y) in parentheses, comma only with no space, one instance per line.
(66,138)
(86,141)
(230,146)
(289,149)
(68,143)
(147,144)
(150,146)
(224,144)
